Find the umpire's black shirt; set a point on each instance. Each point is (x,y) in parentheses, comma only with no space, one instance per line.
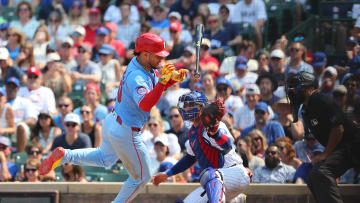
(321,114)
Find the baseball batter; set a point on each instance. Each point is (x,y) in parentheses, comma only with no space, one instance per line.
(210,143)
(140,88)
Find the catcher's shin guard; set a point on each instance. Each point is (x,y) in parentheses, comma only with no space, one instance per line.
(211,181)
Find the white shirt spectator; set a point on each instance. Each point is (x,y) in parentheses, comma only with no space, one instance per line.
(256,162)
(249,78)
(28,30)
(62,32)
(185,36)
(43,98)
(113,14)
(90,69)
(233,102)
(281,174)
(244,117)
(214,9)
(127,33)
(302,151)
(23,109)
(172,96)
(174,147)
(249,13)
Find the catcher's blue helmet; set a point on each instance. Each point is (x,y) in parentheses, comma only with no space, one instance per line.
(193,99)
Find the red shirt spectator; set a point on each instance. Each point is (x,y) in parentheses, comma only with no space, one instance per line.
(94,24)
(118,45)
(208,63)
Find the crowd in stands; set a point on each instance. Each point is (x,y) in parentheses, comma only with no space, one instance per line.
(61,63)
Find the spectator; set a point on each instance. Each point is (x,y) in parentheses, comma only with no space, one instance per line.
(24,111)
(223,89)
(89,127)
(77,15)
(78,36)
(94,23)
(72,138)
(7,117)
(113,13)
(328,80)
(268,84)
(31,169)
(42,97)
(187,58)
(15,40)
(35,151)
(287,152)
(92,97)
(208,83)
(8,71)
(173,93)
(246,144)
(4,26)
(294,131)
(224,13)
(352,85)
(277,63)
(161,148)
(65,106)
(111,69)
(41,41)
(144,28)
(297,63)
(339,95)
(57,28)
(253,12)
(207,62)
(26,57)
(101,38)
(185,34)
(87,71)
(198,19)
(186,8)
(119,46)
(259,141)
(73,173)
(204,10)
(129,29)
(271,129)
(8,169)
(304,169)
(303,147)
(274,171)
(159,20)
(45,131)
(244,116)
(67,54)
(242,75)
(351,57)
(54,5)
(178,127)
(176,46)
(26,23)
(319,62)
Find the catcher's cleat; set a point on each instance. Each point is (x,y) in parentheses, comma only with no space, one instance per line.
(53,161)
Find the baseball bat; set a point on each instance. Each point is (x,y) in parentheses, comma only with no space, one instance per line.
(198,39)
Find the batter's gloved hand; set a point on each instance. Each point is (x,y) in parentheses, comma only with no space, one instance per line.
(211,115)
(179,75)
(166,73)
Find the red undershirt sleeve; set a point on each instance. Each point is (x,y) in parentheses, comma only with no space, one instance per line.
(151,98)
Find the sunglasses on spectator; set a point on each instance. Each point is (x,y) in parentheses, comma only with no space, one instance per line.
(12,35)
(260,112)
(204,47)
(44,117)
(212,21)
(33,152)
(33,76)
(23,9)
(81,51)
(257,138)
(174,116)
(275,59)
(102,54)
(263,58)
(221,89)
(84,112)
(27,170)
(73,125)
(294,49)
(271,152)
(63,105)
(152,124)
(67,46)
(3,147)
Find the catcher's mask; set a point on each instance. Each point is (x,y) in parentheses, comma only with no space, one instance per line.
(190,104)
(295,90)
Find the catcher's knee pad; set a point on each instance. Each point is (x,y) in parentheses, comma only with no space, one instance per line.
(212,181)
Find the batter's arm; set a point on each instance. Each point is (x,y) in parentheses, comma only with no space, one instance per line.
(151,98)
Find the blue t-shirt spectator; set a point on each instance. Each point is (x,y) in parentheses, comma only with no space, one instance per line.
(12,71)
(191,11)
(13,169)
(161,25)
(303,171)
(219,40)
(271,131)
(14,53)
(58,123)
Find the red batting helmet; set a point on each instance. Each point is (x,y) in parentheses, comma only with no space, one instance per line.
(151,43)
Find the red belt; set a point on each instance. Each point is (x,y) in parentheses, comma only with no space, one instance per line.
(118,119)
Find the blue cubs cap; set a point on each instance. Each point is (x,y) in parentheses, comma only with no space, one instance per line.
(317,147)
(165,166)
(102,31)
(13,80)
(223,81)
(319,59)
(241,62)
(262,106)
(106,49)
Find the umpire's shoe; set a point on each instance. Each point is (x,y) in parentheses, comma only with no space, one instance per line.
(53,161)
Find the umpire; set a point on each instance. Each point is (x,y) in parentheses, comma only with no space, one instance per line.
(331,128)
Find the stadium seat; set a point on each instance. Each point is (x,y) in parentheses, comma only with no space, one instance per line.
(8,13)
(19,158)
(77,95)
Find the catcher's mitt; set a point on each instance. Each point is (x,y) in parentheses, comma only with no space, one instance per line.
(211,115)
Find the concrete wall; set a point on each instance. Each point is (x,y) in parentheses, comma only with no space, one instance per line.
(167,193)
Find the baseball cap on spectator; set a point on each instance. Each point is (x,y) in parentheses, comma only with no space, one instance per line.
(262,106)
(4,53)
(106,49)
(165,166)
(79,31)
(160,6)
(206,42)
(331,70)
(67,40)
(51,47)
(102,31)
(5,141)
(270,77)
(175,14)
(190,49)
(3,24)
(112,26)
(93,10)
(319,59)
(77,3)
(92,86)
(340,90)
(352,41)
(72,117)
(241,63)
(33,70)
(299,37)
(52,57)
(224,81)
(277,53)
(175,26)
(252,89)
(162,139)
(276,106)
(13,80)
(86,46)
(317,147)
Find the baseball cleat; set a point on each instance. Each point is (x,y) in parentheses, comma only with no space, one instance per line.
(53,161)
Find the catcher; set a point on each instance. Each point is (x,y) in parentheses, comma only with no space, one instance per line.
(210,143)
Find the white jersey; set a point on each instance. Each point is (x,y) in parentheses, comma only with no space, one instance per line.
(174,147)
(233,102)
(249,13)
(249,78)
(43,98)
(23,109)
